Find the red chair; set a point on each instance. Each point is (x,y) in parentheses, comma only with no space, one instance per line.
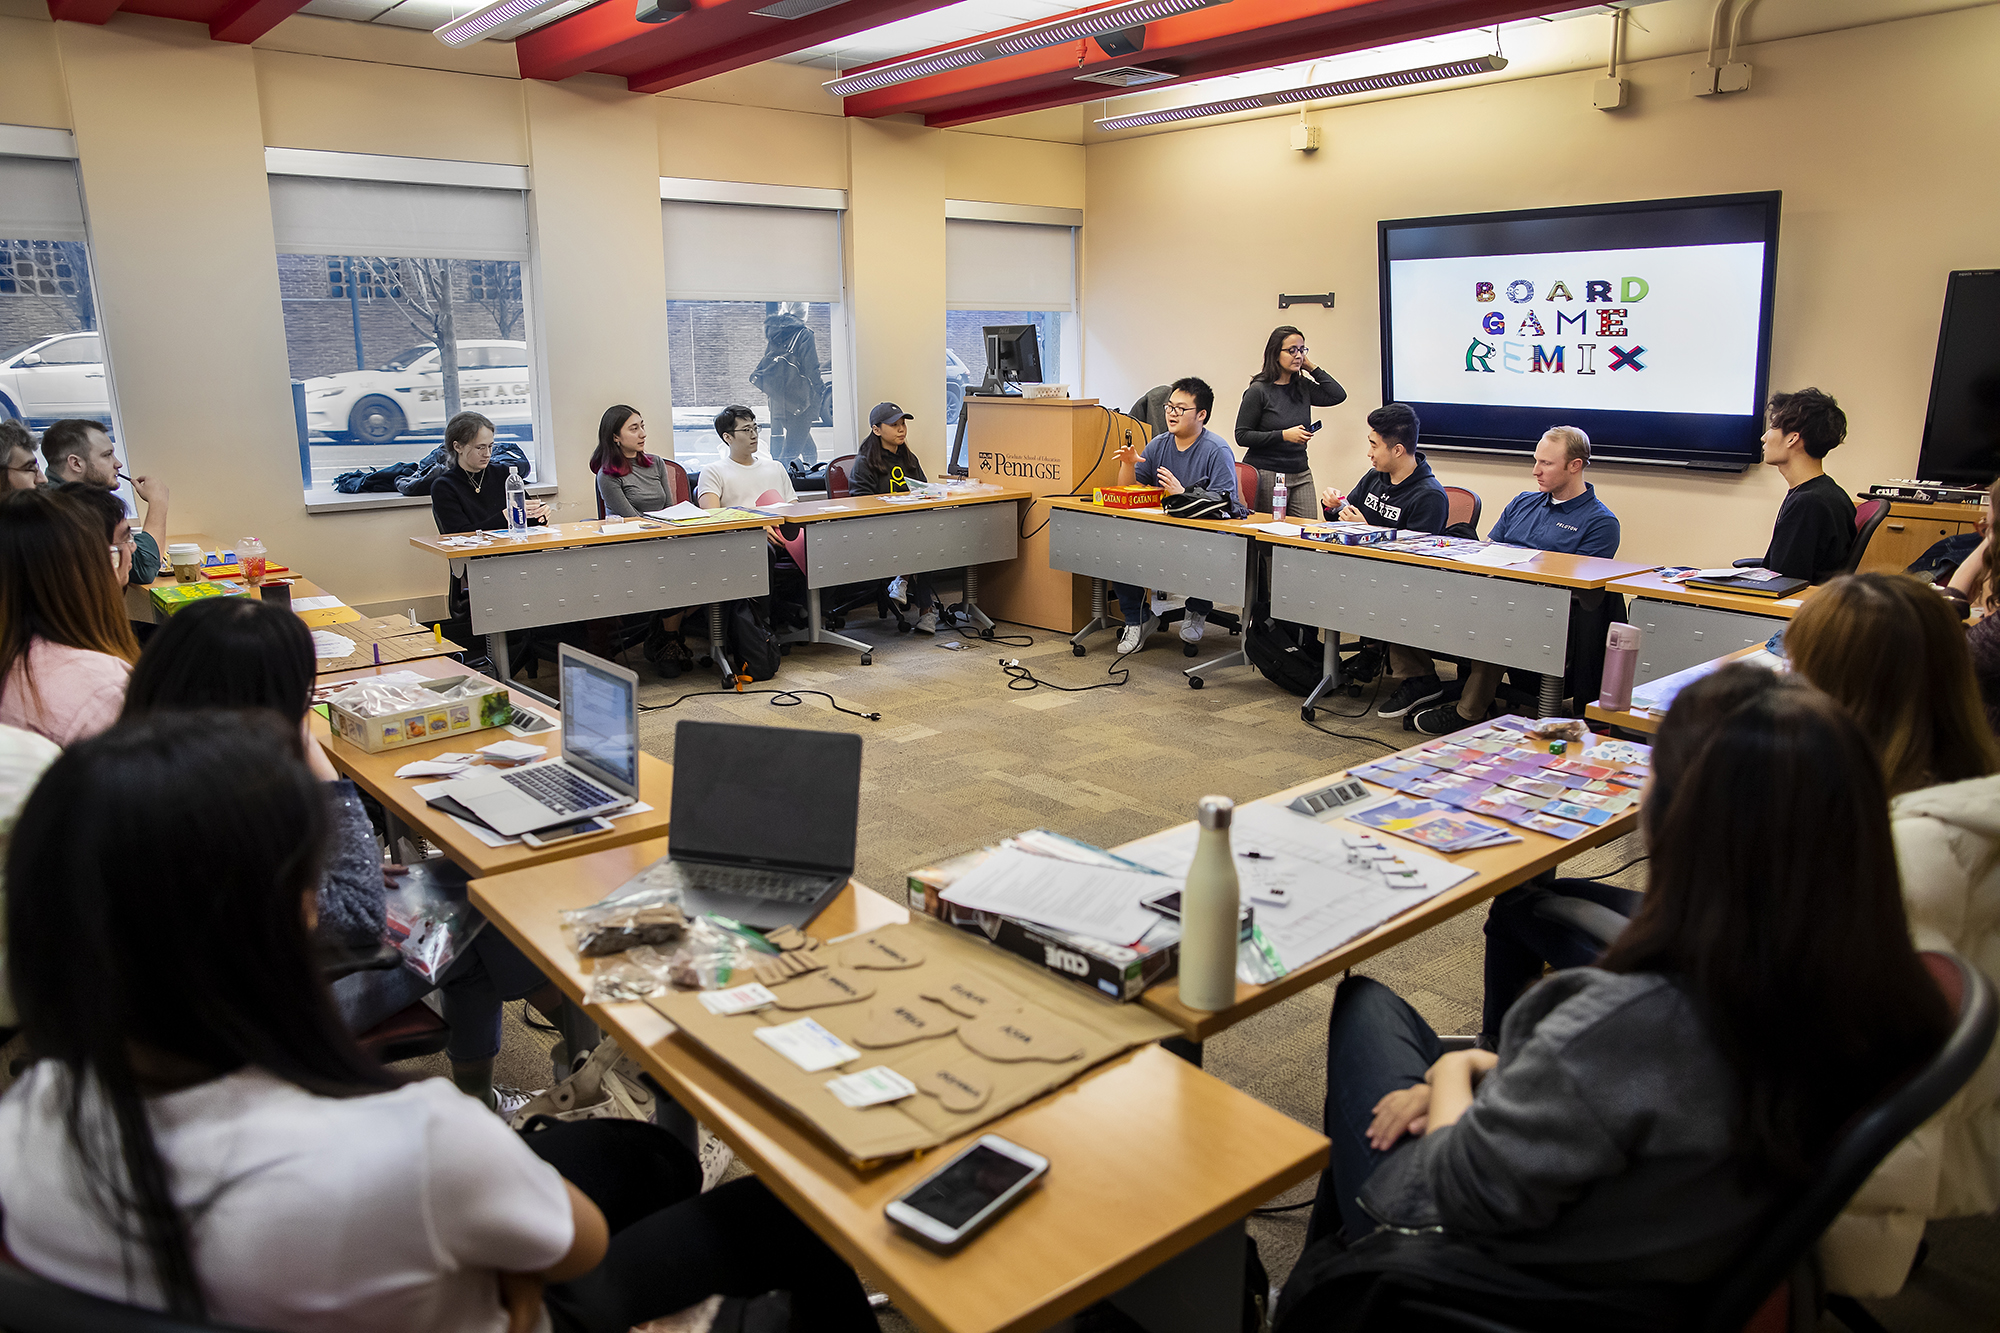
(1868,516)
(840,477)
(1246,484)
(677,481)
(405,1035)
(1464,508)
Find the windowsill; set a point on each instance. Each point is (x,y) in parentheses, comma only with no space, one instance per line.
(333,502)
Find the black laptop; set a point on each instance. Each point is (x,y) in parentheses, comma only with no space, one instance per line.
(763,820)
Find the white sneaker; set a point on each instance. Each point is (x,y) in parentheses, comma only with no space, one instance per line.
(899,590)
(927,622)
(1163,603)
(506,1101)
(716,1159)
(1193,625)
(1134,637)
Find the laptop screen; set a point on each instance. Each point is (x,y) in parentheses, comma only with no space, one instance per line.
(765,796)
(600,733)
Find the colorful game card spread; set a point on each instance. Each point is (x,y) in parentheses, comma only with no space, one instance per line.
(1433,825)
(1555,828)
(1587,814)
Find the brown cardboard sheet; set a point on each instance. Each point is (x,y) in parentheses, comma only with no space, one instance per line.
(1046,1031)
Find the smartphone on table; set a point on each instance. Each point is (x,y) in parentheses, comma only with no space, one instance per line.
(947,1207)
(555,833)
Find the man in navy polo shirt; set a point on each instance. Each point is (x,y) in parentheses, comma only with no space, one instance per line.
(1561,514)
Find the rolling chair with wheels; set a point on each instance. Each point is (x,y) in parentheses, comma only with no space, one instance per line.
(849,597)
(1246,484)
(1464,508)
(1402,1282)
(840,477)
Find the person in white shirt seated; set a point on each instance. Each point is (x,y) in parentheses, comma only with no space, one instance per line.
(200,1135)
(743,477)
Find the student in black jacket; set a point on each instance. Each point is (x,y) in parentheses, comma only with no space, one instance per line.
(1814,533)
(886,465)
(1271,426)
(470,495)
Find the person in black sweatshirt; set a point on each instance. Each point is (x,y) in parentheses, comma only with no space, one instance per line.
(1271,425)
(1399,490)
(471,495)
(1814,533)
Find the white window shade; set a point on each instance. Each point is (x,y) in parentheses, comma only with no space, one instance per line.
(734,252)
(320,216)
(39,200)
(1008,266)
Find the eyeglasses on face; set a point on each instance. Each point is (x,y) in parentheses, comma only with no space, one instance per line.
(750,430)
(1300,350)
(1181,410)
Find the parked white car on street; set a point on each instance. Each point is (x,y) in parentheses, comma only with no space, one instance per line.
(406,393)
(54,378)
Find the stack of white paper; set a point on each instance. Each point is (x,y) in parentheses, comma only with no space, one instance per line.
(1099,901)
(1494,557)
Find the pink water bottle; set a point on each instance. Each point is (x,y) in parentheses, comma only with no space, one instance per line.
(1621,662)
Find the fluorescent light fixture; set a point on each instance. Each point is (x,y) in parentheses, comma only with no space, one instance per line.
(480,23)
(1372,83)
(1056,32)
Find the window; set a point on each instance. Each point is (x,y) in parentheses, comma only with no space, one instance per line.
(754,318)
(51,355)
(404,305)
(1007,273)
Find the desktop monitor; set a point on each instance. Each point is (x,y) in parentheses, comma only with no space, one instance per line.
(1962,428)
(1013,356)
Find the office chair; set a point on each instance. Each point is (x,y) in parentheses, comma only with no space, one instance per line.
(1464,508)
(1393,1281)
(404,1035)
(36,1305)
(840,477)
(1152,409)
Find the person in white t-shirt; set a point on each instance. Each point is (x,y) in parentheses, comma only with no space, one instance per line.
(743,477)
(200,1135)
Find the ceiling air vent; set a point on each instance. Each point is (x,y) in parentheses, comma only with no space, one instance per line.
(795,9)
(1125,76)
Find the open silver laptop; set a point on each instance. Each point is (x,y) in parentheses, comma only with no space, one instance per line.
(599,768)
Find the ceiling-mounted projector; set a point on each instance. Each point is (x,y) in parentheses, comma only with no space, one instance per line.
(659,11)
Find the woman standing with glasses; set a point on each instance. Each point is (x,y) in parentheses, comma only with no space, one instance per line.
(1272,426)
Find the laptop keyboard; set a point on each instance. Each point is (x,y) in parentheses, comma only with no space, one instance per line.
(558,788)
(769,885)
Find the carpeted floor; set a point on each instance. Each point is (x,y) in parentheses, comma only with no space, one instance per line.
(959,760)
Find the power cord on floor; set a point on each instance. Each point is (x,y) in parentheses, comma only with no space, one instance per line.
(779,699)
(1593,879)
(1012,640)
(1282,1208)
(1022,679)
(1352,736)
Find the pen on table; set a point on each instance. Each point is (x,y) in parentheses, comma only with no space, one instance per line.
(378,654)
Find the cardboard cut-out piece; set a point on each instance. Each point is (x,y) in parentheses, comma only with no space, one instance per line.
(772,970)
(960,1085)
(902,1023)
(970,995)
(1028,1034)
(828,986)
(880,954)
(788,938)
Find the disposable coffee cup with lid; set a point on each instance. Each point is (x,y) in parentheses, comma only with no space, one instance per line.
(186,558)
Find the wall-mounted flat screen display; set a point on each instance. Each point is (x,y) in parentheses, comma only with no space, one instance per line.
(1962,429)
(1647,324)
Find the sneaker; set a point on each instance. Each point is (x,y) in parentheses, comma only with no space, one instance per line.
(927,622)
(1192,626)
(1416,690)
(1134,637)
(1364,666)
(716,1159)
(506,1100)
(899,590)
(1438,720)
(1163,603)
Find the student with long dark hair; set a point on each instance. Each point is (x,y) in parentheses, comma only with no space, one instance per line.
(235,653)
(630,481)
(1642,1115)
(1272,424)
(199,1133)
(1890,651)
(66,647)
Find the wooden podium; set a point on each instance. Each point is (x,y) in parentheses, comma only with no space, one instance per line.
(1050,447)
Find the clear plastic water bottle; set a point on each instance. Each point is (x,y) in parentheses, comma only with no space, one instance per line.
(1281,497)
(517,504)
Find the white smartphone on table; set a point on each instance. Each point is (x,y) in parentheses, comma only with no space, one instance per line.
(948,1206)
(581,828)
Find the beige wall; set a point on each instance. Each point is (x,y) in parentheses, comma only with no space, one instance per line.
(170,130)
(1880,137)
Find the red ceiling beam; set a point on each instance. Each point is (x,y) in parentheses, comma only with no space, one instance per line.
(713,38)
(1228,39)
(244,21)
(83,11)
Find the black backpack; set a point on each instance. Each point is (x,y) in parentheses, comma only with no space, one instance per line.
(1196,503)
(1285,653)
(746,632)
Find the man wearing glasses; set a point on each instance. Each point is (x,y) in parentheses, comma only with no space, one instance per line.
(741,477)
(1189,456)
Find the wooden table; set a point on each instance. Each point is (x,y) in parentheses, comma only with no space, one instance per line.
(859,538)
(1495,870)
(1686,626)
(139,602)
(1647,723)
(606,567)
(1190,557)
(1154,1164)
(376,775)
(1515,615)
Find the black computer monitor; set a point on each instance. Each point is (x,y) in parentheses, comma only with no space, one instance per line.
(1013,356)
